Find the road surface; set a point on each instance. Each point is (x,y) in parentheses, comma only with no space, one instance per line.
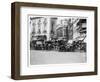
(54,57)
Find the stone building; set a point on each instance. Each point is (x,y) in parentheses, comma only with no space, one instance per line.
(57,28)
(39,27)
(62,30)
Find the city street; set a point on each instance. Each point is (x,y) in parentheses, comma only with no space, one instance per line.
(54,57)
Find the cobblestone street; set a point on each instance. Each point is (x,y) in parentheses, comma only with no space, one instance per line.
(54,57)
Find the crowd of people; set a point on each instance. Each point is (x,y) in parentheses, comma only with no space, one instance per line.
(58,45)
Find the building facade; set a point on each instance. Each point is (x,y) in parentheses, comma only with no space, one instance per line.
(39,27)
(57,28)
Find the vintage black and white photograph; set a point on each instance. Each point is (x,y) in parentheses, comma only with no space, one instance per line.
(57,39)
(53,40)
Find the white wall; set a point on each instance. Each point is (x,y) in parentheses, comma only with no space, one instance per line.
(5,40)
